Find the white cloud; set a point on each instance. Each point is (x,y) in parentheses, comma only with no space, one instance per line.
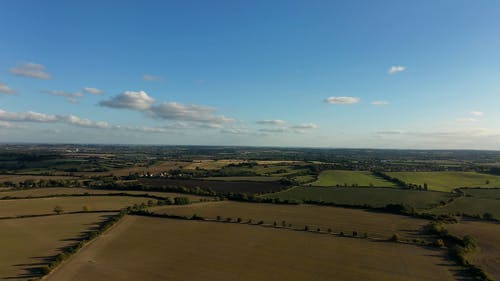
(7,125)
(93,91)
(395,69)
(142,102)
(36,117)
(235,131)
(273,130)
(149,77)
(4,89)
(476,113)
(380,102)
(131,100)
(275,122)
(70,97)
(341,100)
(30,69)
(305,126)
(467,120)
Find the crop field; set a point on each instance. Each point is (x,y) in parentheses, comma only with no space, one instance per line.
(155,168)
(30,243)
(374,197)
(24,207)
(211,164)
(179,250)
(250,178)
(489,193)
(447,181)
(487,235)
(19,178)
(350,178)
(218,186)
(47,191)
(471,206)
(374,224)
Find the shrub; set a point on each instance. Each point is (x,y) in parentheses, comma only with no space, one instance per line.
(395,237)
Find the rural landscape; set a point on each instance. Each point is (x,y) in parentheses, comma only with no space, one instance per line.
(90,212)
(233,140)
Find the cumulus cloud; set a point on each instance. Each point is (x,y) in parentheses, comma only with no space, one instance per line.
(142,102)
(36,117)
(341,100)
(476,113)
(379,102)
(30,69)
(149,77)
(273,130)
(235,131)
(275,122)
(305,126)
(93,91)
(70,97)
(4,89)
(467,120)
(395,69)
(131,100)
(7,125)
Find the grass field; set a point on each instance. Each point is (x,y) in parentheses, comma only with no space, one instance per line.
(47,191)
(489,193)
(29,243)
(23,207)
(349,178)
(19,178)
(376,225)
(487,235)
(375,197)
(447,181)
(142,248)
(470,206)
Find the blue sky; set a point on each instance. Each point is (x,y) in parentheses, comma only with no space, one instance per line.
(385,74)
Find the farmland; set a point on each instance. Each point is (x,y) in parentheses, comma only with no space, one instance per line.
(488,239)
(26,207)
(447,181)
(374,197)
(375,225)
(217,186)
(350,178)
(29,243)
(242,252)
(471,206)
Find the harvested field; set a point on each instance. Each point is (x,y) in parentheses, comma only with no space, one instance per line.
(218,186)
(159,167)
(192,250)
(375,197)
(487,235)
(19,178)
(47,191)
(211,164)
(375,224)
(447,181)
(350,178)
(25,207)
(30,243)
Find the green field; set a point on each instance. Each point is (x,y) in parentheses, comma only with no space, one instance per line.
(447,181)
(470,206)
(350,178)
(488,193)
(375,197)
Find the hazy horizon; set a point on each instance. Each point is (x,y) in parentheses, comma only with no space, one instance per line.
(350,74)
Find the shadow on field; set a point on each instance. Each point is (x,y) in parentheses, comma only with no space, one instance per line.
(34,269)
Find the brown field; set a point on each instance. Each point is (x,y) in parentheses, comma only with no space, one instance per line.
(218,186)
(487,235)
(24,207)
(155,168)
(142,248)
(29,243)
(376,225)
(47,191)
(19,178)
